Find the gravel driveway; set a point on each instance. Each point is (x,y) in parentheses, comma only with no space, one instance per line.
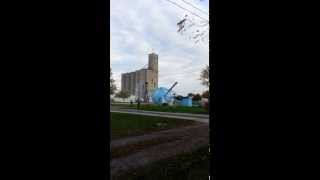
(186,139)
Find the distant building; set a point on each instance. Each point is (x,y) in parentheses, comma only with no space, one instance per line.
(141,82)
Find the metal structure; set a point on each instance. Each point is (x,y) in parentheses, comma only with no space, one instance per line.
(171,88)
(146,97)
(163,95)
(186,101)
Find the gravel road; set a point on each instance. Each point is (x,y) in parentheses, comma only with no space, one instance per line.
(187,139)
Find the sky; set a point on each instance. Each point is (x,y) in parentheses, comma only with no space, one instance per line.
(139,27)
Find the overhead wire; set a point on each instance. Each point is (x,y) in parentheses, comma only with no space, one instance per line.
(195,7)
(187,10)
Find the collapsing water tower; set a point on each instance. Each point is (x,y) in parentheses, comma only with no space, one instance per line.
(163,95)
(186,101)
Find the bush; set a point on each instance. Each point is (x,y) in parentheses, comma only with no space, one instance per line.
(206,106)
(205,94)
(196,97)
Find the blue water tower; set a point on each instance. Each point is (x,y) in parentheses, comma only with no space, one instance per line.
(186,101)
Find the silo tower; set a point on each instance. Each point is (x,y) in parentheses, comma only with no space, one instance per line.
(153,62)
(153,70)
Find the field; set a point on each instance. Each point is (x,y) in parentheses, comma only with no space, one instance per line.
(152,107)
(123,125)
(188,166)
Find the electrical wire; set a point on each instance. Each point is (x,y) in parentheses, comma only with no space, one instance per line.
(188,10)
(195,7)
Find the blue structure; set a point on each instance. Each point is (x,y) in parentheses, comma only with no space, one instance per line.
(186,101)
(161,95)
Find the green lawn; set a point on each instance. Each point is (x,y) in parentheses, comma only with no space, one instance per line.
(153,107)
(123,125)
(136,147)
(188,166)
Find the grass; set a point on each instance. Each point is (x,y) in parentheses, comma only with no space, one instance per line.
(177,109)
(123,125)
(187,166)
(136,147)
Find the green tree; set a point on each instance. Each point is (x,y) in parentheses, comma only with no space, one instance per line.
(113,86)
(205,94)
(123,95)
(190,95)
(204,76)
(196,97)
(178,97)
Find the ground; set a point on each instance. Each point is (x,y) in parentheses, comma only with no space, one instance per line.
(123,125)
(186,166)
(148,147)
(153,107)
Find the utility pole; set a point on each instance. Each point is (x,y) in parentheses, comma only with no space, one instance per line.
(138,101)
(138,90)
(146,93)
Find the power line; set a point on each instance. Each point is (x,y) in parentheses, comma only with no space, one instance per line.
(195,7)
(202,25)
(187,10)
(188,71)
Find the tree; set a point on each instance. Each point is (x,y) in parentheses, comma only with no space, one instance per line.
(113,87)
(204,76)
(195,21)
(179,97)
(190,95)
(196,97)
(123,95)
(199,30)
(205,94)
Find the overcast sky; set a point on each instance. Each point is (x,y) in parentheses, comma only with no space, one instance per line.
(138,26)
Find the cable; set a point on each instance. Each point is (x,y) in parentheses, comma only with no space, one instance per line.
(202,25)
(187,10)
(188,71)
(195,7)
